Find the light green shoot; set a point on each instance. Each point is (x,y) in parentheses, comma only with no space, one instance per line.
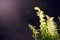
(48,28)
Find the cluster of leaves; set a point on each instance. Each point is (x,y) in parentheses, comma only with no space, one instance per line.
(48,28)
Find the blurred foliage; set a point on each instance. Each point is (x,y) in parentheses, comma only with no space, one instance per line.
(48,28)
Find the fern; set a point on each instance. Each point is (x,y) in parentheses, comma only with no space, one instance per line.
(48,28)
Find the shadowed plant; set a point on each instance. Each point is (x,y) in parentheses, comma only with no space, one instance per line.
(48,28)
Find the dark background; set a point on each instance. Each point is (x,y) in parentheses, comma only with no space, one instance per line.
(26,9)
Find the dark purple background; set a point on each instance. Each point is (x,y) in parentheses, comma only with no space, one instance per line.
(16,14)
(13,21)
